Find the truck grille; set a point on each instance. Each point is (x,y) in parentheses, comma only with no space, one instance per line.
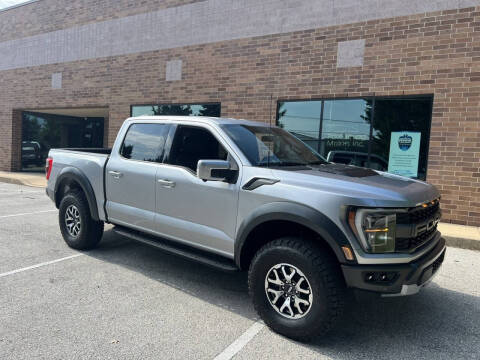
(418,214)
(409,244)
(418,217)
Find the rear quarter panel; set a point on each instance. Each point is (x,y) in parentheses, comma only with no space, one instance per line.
(90,164)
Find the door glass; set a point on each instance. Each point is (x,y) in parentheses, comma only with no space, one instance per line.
(145,142)
(346,129)
(192,144)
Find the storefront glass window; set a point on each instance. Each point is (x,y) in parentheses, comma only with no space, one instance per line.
(302,119)
(41,132)
(360,131)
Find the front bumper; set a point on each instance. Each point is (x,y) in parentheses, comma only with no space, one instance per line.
(398,279)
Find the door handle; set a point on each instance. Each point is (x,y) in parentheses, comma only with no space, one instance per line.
(115,174)
(166,183)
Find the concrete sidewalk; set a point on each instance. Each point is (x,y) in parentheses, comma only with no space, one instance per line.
(460,236)
(24,178)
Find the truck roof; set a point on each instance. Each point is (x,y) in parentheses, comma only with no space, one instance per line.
(203,119)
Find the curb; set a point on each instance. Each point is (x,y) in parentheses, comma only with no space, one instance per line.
(10,180)
(462,243)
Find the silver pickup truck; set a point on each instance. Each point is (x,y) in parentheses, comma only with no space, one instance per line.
(242,195)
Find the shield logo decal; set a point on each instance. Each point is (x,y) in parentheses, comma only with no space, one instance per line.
(404,142)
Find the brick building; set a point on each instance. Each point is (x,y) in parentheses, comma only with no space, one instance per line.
(349,77)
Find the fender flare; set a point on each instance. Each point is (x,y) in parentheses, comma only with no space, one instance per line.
(301,214)
(70,173)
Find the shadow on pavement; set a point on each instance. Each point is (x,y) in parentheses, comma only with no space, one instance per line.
(436,323)
(227,290)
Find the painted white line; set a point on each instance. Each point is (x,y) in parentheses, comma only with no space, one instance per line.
(232,349)
(40,265)
(30,213)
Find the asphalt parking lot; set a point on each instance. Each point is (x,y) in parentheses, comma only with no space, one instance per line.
(127,301)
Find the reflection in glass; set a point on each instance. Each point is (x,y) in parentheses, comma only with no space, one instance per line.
(212,110)
(145,142)
(41,132)
(302,119)
(402,114)
(349,135)
(346,130)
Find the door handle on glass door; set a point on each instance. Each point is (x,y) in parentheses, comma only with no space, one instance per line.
(166,183)
(115,174)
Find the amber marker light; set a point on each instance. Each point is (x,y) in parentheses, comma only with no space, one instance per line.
(347,252)
(351,221)
(424,205)
(376,230)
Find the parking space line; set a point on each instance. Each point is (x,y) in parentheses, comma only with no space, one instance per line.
(40,265)
(29,213)
(232,349)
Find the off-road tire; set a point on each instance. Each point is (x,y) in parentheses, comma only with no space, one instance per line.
(321,270)
(90,232)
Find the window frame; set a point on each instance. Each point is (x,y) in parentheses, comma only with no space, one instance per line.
(374,99)
(169,126)
(173,133)
(177,104)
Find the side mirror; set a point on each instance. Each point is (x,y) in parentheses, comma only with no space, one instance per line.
(215,170)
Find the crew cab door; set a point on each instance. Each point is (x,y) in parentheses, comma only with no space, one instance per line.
(200,213)
(130,176)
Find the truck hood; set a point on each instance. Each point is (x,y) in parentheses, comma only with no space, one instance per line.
(370,187)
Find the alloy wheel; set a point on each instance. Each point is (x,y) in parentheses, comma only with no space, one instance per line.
(288,291)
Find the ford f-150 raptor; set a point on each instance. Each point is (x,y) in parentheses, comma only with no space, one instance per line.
(242,195)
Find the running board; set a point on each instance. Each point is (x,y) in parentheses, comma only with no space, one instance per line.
(212,260)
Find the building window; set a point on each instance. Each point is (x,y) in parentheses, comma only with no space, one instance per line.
(384,133)
(43,131)
(212,109)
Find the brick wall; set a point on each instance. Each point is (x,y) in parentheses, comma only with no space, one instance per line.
(434,53)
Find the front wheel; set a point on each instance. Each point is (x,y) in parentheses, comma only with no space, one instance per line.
(297,288)
(78,228)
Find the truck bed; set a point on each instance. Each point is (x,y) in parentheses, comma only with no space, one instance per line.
(88,161)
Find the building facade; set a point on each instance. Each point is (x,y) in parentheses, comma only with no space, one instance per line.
(392,85)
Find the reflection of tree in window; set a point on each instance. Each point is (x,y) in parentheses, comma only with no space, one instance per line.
(179,110)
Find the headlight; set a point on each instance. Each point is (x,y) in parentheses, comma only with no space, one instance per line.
(375,229)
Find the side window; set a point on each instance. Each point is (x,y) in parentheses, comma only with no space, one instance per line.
(192,144)
(145,142)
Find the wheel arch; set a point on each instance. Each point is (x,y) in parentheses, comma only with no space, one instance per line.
(71,177)
(281,219)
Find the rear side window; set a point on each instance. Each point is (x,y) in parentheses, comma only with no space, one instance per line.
(192,144)
(145,142)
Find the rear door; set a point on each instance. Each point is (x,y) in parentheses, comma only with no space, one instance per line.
(201,213)
(130,176)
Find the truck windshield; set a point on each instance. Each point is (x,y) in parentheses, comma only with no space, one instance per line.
(271,146)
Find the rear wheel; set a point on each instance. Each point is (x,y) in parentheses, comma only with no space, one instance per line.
(78,228)
(297,288)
